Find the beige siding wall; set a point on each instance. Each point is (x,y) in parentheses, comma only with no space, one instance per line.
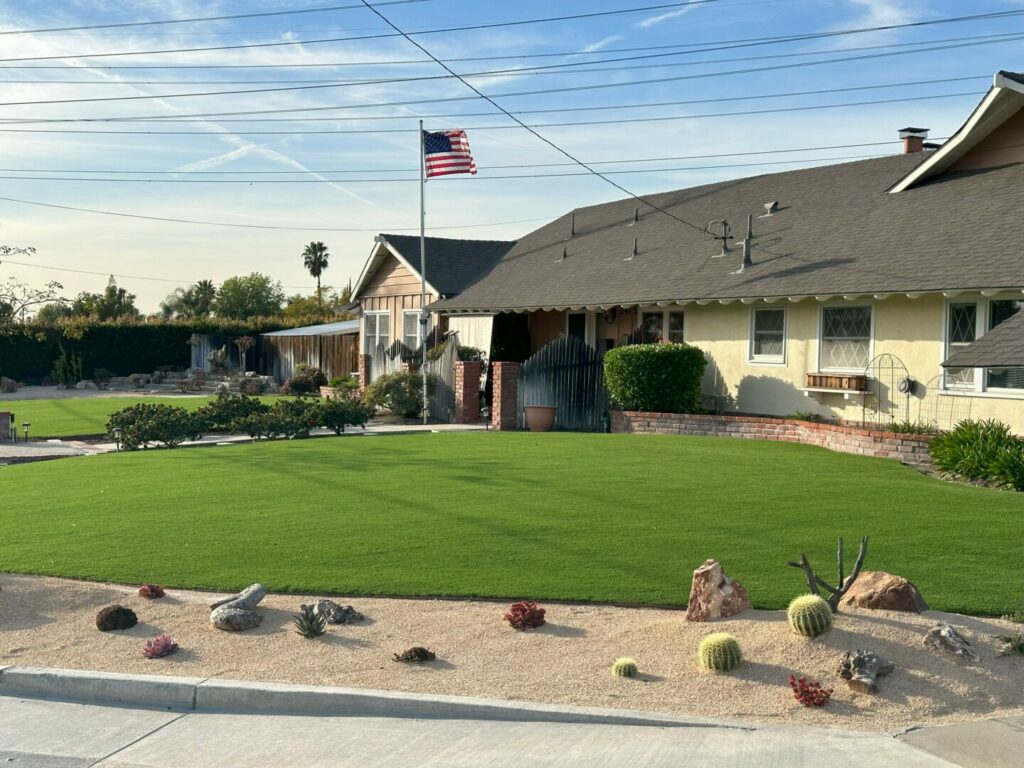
(392,289)
(1003,146)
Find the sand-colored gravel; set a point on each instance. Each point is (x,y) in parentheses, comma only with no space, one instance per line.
(50,622)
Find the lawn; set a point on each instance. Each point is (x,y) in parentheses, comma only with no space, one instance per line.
(611,518)
(83,416)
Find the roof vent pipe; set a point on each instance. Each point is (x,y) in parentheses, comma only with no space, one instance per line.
(913,139)
(747,261)
(635,252)
(636,217)
(572,226)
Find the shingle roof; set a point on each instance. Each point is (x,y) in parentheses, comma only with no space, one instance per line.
(1002,347)
(451,264)
(1015,76)
(837,232)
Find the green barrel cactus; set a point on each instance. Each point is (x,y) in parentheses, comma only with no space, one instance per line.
(809,615)
(720,652)
(625,667)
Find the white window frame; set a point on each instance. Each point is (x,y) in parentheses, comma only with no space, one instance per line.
(416,313)
(589,325)
(376,329)
(985,371)
(664,312)
(980,386)
(821,333)
(773,360)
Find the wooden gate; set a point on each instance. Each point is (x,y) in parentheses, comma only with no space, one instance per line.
(441,404)
(568,374)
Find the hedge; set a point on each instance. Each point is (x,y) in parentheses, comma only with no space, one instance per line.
(664,378)
(28,353)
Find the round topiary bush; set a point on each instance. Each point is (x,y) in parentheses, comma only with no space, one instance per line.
(664,378)
(625,667)
(720,652)
(809,615)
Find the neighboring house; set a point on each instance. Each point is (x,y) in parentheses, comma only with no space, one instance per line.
(388,289)
(914,256)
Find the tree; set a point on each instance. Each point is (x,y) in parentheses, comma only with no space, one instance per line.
(314,258)
(245,296)
(114,303)
(18,299)
(195,301)
(326,306)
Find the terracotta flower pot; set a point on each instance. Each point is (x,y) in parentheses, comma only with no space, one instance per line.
(540,418)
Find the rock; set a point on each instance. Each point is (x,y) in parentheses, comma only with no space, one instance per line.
(714,595)
(115,617)
(334,613)
(86,385)
(945,638)
(884,591)
(862,668)
(238,612)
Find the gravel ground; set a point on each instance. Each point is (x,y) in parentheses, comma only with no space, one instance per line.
(50,622)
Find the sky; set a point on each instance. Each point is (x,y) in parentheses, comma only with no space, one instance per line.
(341,175)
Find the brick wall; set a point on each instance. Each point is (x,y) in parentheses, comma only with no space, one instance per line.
(909,449)
(467,391)
(364,372)
(505,395)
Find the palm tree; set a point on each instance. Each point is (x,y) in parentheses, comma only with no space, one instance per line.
(314,258)
(203,294)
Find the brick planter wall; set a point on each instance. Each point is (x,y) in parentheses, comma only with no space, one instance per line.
(363,374)
(909,449)
(505,395)
(467,391)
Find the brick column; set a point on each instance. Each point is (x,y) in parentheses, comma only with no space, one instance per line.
(467,391)
(5,427)
(364,372)
(505,396)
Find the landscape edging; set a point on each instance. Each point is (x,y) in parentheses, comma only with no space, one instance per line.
(207,695)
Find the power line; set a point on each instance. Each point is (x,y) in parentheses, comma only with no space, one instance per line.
(194,19)
(519,123)
(258,226)
(467,28)
(392,117)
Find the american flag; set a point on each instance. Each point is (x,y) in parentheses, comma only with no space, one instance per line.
(447,152)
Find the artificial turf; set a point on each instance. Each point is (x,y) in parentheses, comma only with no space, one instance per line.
(82,416)
(611,518)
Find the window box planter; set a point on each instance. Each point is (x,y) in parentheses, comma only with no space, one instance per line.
(540,418)
(842,382)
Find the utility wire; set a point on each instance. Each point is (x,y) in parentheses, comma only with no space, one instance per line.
(599,108)
(519,123)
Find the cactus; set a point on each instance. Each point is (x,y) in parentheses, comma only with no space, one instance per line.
(160,646)
(625,667)
(809,615)
(720,652)
(310,624)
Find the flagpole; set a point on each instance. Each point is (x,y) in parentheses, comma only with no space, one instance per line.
(423,270)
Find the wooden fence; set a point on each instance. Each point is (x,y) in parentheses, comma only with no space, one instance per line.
(569,375)
(441,405)
(335,355)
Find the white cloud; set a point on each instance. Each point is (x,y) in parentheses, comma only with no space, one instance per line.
(652,21)
(604,41)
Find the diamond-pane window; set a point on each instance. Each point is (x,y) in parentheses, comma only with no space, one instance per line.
(845,337)
(768,338)
(963,325)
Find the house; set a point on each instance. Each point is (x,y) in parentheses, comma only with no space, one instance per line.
(389,286)
(855,272)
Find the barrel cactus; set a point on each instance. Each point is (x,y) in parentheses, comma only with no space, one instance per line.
(809,615)
(720,652)
(625,667)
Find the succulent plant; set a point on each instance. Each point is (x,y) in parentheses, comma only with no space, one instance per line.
(115,617)
(160,646)
(809,615)
(309,623)
(808,693)
(151,591)
(524,615)
(416,654)
(720,651)
(625,667)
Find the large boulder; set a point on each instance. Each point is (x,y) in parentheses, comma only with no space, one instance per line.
(884,591)
(713,595)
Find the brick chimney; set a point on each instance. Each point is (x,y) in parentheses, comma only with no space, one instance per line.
(913,139)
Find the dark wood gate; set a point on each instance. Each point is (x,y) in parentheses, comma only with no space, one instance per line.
(569,375)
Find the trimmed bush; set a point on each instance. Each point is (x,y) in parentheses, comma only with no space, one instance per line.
(719,652)
(809,615)
(223,413)
(664,378)
(401,393)
(143,423)
(980,450)
(286,418)
(252,385)
(336,413)
(344,385)
(306,381)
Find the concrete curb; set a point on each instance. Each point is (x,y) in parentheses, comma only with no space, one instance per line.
(240,697)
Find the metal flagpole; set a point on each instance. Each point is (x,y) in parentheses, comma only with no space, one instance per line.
(423,269)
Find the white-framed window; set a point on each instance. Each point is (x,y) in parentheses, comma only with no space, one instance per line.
(961,329)
(1000,310)
(376,330)
(845,338)
(661,325)
(967,320)
(411,328)
(768,335)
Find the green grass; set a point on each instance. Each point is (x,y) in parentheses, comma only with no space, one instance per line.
(616,518)
(83,416)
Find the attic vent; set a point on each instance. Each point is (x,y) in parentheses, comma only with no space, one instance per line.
(770,208)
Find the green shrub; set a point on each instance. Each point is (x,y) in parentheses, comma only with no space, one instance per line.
(912,428)
(401,393)
(224,412)
(466,354)
(809,615)
(655,377)
(1008,469)
(306,381)
(344,384)
(144,423)
(252,385)
(720,652)
(67,368)
(336,413)
(972,450)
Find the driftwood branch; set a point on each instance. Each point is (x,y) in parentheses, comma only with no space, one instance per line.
(238,612)
(835,594)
